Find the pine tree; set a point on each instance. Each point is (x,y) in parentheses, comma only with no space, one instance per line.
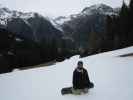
(130,21)
(131,4)
(123,24)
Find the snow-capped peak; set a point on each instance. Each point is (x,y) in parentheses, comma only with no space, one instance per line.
(94,9)
(7,14)
(99,8)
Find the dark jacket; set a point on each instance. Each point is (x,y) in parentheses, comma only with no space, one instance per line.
(80,79)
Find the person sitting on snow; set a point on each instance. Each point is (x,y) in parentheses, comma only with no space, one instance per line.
(81,82)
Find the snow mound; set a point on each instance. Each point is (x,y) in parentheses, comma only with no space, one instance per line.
(112,76)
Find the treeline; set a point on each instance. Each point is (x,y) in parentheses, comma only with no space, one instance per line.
(18,52)
(118,32)
(119,28)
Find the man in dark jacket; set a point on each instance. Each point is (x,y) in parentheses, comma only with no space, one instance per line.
(81,82)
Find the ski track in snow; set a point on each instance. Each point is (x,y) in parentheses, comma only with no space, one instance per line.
(112,76)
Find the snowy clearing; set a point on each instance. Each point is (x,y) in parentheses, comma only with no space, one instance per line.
(111,74)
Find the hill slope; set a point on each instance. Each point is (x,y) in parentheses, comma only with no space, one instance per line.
(111,74)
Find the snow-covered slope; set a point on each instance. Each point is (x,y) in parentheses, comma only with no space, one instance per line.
(112,76)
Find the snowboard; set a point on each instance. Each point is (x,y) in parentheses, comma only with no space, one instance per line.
(68,90)
(91,85)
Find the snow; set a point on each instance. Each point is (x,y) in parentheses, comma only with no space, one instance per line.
(99,8)
(7,14)
(111,74)
(55,24)
(62,20)
(27,15)
(18,39)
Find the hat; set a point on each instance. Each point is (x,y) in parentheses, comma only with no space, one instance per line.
(80,62)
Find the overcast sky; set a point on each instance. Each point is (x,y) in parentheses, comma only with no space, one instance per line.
(55,7)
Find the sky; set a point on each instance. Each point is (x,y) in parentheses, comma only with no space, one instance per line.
(56,8)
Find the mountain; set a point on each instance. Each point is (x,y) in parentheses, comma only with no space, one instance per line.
(90,20)
(30,25)
(82,32)
(94,9)
(99,8)
(76,27)
(111,75)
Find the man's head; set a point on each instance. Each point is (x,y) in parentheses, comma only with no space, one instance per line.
(80,64)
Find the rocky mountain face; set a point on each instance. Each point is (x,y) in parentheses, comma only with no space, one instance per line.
(90,20)
(30,25)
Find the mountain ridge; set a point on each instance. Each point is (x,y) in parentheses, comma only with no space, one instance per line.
(31,25)
(99,8)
